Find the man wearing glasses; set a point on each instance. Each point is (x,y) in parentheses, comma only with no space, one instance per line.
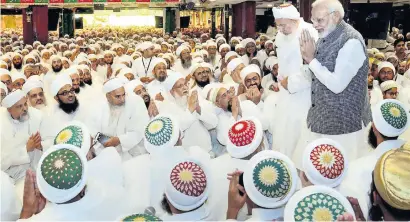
(294,78)
(339,63)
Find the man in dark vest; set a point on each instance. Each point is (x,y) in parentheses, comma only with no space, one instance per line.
(339,63)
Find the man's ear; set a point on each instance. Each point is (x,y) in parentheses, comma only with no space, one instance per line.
(56,98)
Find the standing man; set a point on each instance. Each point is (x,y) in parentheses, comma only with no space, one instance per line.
(143,66)
(294,78)
(339,63)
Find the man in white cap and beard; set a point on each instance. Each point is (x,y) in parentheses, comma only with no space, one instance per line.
(21,142)
(56,68)
(106,71)
(5,78)
(36,95)
(294,100)
(143,66)
(17,61)
(184,62)
(195,116)
(137,87)
(160,73)
(64,111)
(213,56)
(121,119)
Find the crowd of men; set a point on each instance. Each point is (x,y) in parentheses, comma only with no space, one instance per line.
(137,125)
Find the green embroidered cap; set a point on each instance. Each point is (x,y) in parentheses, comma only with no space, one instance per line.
(390,117)
(62,173)
(161,132)
(75,133)
(270,179)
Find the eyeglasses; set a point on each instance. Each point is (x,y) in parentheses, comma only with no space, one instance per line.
(65,93)
(203,73)
(254,79)
(320,20)
(392,93)
(388,73)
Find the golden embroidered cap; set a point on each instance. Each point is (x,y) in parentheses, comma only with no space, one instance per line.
(392,178)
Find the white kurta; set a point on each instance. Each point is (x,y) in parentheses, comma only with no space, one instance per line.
(261,214)
(218,202)
(143,67)
(57,119)
(127,123)
(10,204)
(293,104)
(179,68)
(195,126)
(362,170)
(101,202)
(156,87)
(262,56)
(15,159)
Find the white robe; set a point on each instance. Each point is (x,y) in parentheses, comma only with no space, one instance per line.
(179,68)
(293,104)
(362,170)
(56,119)
(10,204)
(194,126)
(145,175)
(261,214)
(127,124)
(156,87)
(15,159)
(143,69)
(218,202)
(262,56)
(101,202)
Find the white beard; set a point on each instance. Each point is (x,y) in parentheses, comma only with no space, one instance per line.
(181,101)
(40,107)
(115,112)
(329,30)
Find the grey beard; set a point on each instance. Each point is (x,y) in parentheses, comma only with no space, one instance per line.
(186,64)
(181,101)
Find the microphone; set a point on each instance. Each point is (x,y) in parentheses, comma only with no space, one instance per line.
(150,210)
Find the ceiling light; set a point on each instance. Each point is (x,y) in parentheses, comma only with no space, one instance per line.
(197,4)
(9,6)
(270,5)
(212,0)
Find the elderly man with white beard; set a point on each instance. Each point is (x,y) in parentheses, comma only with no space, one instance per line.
(36,97)
(21,145)
(195,116)
(184,63)
(121,119)
(213,56)
(294,77)
(340,104)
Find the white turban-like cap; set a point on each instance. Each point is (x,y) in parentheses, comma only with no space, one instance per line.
(145,45)
(32,83)
(4,63)
(387,85)
(27,57)
(12,98)
(18,75)
(17,54)
(233,64)
(92,56)
(172,79)
(230,54)
(72,70)
(113,84)
(286,11)
(67,52)
(252,68)
(386,65)
(109,52)
(246,41)
(270,62)
(131,85)
(210,43)
(224,46)
(239,46)
(269,42)
(180,49)
(59,82)
(158,61)
(126,70)
(207,65)
(4,87)
(219,39)
(4,72)
(54,57)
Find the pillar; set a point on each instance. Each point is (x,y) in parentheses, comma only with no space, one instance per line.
(169,20)
(305,8)
(40,23)
(226,23)
(244,19)
(213,22)
(66,26)
(177,18)
(28,34)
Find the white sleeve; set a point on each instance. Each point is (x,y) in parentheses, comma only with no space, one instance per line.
(300,81)
(207,117)
(348,62)
(223,128)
